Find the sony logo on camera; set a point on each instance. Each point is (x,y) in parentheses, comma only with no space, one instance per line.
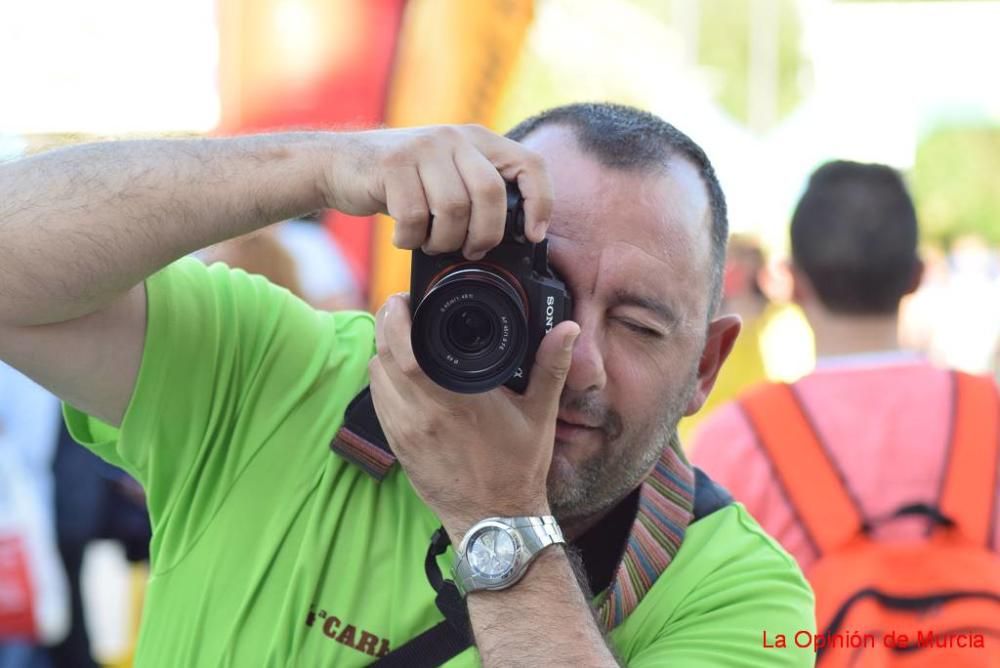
(477,325)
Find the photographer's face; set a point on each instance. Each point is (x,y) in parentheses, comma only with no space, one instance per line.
(635,249)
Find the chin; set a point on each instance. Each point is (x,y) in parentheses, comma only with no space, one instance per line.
(563,487)
(561,469)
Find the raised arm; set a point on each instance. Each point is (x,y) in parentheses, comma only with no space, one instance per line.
(81,228)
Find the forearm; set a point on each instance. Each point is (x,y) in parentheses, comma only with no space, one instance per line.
(80,226)
(544,620)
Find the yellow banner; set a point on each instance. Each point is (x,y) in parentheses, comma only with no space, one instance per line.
(455,60)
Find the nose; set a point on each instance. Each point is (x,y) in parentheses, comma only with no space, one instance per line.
(586,370)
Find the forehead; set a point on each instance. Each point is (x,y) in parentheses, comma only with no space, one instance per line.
(652,226)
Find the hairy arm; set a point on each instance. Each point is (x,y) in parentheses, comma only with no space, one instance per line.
(544,620)
(81,228)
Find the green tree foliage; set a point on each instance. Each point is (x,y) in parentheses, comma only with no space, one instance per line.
(956,183)
(725,47)
(724,44)
(723,52)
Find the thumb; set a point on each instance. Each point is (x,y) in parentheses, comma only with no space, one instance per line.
(552,363)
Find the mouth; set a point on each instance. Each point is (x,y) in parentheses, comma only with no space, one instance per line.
(576,419)
(568,430)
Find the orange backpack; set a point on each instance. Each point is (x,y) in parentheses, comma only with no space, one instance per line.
(881,603)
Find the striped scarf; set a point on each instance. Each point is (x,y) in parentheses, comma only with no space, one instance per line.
(666,504)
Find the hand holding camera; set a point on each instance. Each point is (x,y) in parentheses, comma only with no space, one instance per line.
(477,324)
(454,173)
(468,455)
(482,292)
(480,314)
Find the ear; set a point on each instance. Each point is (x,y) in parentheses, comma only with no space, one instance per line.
(722,333)
(917,278)
(802,288)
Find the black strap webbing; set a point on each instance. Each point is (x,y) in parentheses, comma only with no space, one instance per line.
(451,637)
(448,638)
(709,496)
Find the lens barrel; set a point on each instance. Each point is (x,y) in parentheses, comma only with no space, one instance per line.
(470,331)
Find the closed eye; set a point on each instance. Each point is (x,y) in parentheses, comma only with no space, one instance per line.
(641,329)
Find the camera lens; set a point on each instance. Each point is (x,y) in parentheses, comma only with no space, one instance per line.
(470,331)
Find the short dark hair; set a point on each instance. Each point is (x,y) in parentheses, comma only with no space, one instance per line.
(627,138)
(854,235)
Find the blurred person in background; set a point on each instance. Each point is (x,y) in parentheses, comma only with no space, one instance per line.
(63,498)
(258,253)
(955,315)
(94,501)
(34,603)
(298,255)
(854,466)
(743,295)
(785,337)
(221,394)
(325,277)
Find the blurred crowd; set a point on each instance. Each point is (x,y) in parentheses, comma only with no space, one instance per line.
(953,317)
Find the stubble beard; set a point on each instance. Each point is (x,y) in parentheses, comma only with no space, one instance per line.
(622,463)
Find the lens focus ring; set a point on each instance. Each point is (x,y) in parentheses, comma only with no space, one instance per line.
(470,330)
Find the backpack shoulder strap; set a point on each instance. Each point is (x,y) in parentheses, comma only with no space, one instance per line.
(972,469)
(809,477)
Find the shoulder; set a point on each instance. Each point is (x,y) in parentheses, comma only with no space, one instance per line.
(728,554)
(729,584)
(730,572)
(227,297)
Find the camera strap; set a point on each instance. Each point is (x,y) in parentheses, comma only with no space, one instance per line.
(452,636)
(448,638)
(360,439)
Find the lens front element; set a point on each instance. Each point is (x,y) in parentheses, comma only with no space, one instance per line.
(470,330)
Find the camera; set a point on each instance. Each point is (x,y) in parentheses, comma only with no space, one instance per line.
(477,324)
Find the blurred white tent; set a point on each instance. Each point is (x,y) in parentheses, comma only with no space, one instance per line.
(108,67)
(11,146)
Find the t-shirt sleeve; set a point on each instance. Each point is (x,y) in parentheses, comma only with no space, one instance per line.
(754,609)
(227,357)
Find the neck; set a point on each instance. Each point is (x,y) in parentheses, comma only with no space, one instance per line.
(839,334)
(576,527)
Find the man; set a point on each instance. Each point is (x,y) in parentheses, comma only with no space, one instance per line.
(267,548)
(876,441)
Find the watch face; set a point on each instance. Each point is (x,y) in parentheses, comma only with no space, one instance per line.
(492,553)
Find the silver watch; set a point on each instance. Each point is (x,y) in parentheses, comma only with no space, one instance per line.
(496,552)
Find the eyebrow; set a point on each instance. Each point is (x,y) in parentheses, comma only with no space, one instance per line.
(658,308)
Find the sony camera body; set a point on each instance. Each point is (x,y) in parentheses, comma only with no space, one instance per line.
(478,324)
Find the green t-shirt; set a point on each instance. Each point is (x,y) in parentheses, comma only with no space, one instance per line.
(270,550)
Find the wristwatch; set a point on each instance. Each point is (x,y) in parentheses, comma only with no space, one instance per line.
(496,552)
